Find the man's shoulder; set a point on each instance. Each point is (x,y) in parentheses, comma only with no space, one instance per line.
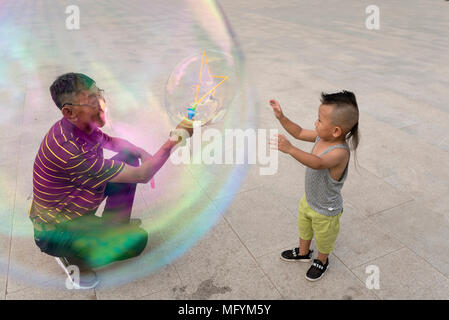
(63,140)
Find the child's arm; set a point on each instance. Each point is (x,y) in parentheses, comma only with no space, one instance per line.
(329,160)
(295,130)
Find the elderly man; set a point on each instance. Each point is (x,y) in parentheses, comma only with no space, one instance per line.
(71,178)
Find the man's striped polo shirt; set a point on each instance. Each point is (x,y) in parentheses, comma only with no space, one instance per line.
(70,173)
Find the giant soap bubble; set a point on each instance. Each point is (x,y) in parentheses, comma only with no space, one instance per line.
(146,55)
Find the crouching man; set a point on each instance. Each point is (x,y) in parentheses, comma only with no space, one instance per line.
(71,178)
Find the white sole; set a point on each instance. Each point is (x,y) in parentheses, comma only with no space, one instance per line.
(291,260)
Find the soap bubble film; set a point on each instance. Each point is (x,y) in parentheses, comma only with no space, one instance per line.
(133,50)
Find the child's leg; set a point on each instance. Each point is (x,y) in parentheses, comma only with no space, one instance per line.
(304,227)
(326,231)
(304,246)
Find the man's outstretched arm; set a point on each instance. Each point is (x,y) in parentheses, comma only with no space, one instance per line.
(150,164)
(122,145)
(148,168)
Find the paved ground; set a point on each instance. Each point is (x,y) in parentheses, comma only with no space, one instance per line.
(396,206)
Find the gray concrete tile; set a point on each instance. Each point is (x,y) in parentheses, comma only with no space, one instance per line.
(360,240)
(52,290)
(407,164)
(369,192)
(155,282)
(261,223)
(423,231)
(5,242)
(28,266)
(439,205)
(9,153)
(220,267)
(167,294)
(404,275)
(242,283)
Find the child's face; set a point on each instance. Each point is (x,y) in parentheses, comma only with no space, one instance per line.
(323,125)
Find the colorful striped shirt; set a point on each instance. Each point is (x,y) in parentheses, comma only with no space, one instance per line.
(70,173)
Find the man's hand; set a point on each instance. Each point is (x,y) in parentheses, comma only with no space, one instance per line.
(277,109)
(186,126)
(281,143)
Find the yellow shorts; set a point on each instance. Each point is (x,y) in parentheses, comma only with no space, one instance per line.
(325,228)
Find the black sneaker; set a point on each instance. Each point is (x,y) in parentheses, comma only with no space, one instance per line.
(316,270)
(293,255)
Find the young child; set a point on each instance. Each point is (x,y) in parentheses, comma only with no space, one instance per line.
(326,171)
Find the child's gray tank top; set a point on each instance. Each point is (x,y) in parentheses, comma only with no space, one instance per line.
(323,193)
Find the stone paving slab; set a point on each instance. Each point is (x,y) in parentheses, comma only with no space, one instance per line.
(406,276)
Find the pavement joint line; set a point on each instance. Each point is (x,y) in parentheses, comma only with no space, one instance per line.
(14,202)
(405,246)
(234,195)
(393,207)
(378,257)
(147,295)
(355,275)
(430,264)
(27,42)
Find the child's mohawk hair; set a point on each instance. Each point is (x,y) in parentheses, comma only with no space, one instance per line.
(339,98)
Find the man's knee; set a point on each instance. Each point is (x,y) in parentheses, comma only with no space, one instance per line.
(127,158)
(132,160)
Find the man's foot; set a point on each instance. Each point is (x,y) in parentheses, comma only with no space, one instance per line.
(293,255)
(316,270)
(78,279)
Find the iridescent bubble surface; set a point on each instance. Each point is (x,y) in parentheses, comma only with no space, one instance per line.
(131,49)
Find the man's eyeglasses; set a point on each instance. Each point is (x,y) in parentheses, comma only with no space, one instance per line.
(95,101)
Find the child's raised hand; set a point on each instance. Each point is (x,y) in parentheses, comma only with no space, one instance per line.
(281,143)
(277,109)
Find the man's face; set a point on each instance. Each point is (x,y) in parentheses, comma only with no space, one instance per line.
(89,109)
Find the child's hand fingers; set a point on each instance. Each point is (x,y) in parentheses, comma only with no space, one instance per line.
(273,145)
(274,104)
(281,136)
